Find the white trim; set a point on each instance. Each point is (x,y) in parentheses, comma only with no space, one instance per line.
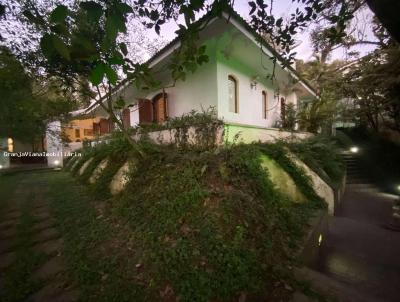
(173,48)
(165,54)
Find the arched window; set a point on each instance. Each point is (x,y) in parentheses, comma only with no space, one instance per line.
(233,94)
(264,105)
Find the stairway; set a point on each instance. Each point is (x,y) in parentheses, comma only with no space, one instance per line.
(354,175)
(358,251)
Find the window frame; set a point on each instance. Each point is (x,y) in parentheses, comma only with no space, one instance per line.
(234,80)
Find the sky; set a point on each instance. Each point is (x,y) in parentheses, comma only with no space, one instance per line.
(283,8)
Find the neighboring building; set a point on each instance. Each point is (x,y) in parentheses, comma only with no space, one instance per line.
(79,130)
(234,81)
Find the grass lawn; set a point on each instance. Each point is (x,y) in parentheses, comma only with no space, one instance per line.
(99,261)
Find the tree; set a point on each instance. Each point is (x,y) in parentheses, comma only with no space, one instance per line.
(374,84)
(80,40)
(26,105)
(84,42)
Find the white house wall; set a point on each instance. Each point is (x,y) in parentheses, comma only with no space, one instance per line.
(249,100)
(197,92)
(239,57)
(230,52)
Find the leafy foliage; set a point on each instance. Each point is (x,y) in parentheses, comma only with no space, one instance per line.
(318,115)
(375,86)
(321,154)
(211,225)
(27,105)
(194,130)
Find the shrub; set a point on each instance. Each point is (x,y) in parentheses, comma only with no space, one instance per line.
(321,154)
(211,225)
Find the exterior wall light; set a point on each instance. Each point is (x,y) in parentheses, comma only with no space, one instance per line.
(398,188)
(354,149)
(1,166)
(254,82)
(320,240)
(56,162)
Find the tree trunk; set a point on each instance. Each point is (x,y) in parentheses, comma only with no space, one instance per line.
(387,11)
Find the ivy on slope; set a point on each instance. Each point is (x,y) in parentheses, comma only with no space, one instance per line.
(211,225)
(322,155)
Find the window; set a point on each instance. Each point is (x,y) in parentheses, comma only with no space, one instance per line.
(77,133)
(88,132)
(233,94)
(264,105)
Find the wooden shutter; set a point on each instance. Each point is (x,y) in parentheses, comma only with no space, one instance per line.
(96,128)
(126,117)
(111,126)
(160,108)
(145,111)
(104,126)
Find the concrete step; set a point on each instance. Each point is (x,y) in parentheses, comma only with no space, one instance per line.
(362,187)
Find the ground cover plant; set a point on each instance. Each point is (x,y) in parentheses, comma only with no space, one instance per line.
(193,225)
(210,224)
(213,225)
(322,154)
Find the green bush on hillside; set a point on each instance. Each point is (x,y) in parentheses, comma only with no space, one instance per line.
(209,225)
(321,154)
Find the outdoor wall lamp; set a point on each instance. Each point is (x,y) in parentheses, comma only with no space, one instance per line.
(254,82)
(56,162)
(320,240)
(1,166)
(354,149)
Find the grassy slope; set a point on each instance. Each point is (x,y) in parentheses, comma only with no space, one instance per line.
(200,226)
(321,154)
(211,225)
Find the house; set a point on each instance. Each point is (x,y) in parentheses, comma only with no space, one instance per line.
(235,81)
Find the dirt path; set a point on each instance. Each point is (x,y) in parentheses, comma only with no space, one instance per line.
(31,249)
